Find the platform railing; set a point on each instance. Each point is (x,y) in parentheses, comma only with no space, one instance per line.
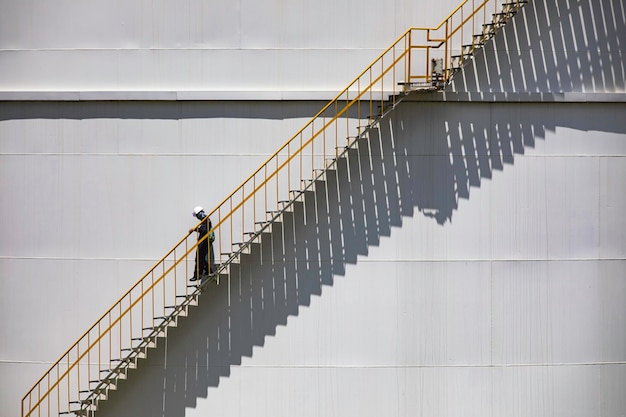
(105,352)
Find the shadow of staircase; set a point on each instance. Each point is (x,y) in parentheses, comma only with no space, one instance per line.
(399,166)
(421,161)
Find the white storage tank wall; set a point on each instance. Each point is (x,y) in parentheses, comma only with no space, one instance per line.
(516,302)
(273,47)
(498,288)
(94,193)
(553,47)
(516,299)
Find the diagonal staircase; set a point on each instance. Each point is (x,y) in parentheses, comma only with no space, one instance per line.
(422,59)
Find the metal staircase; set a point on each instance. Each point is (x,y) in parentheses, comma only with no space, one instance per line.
(422,59)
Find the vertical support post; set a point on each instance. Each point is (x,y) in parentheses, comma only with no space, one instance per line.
(409,51)
(313,149)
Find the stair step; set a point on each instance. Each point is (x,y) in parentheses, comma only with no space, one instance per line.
(145,338)
(189,300)
(106,380)
(180,310)
(80,412)
(99,395)
(111,371)
(480,39)
(81,402)
(133,349)
(330,164)
(515,3)
(98,381)
(86,401)
(128,362)
(500,16)
(468,50)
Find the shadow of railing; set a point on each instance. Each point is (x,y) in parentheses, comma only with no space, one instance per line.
(422,159)
(553,46)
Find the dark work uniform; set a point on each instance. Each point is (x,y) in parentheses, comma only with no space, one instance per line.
(202,265)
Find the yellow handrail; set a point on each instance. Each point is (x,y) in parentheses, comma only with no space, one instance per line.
(386,78)
(116,303)
(326,107)
(286,162)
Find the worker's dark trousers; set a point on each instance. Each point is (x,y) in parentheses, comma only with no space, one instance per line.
(202,266)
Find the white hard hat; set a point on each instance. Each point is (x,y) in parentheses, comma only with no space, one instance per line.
(197,210)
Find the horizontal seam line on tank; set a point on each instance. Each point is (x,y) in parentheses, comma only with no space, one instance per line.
(432,260)
(268,154)
(237,155)
(268,48)
(504,365)
(60,258)
(438,260)
(139,154)
(208,48)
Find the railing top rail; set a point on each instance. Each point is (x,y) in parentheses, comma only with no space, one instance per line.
(338,96)
(452,13)
(326,107)
(334,100)
(104,315)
